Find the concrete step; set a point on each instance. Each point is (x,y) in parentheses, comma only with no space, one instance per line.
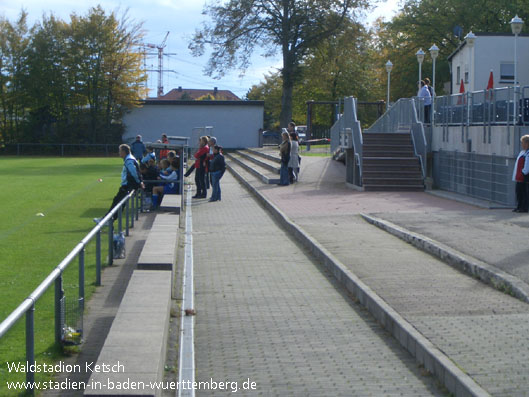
(263,174)
(388,153)
(397,147)
(393,188)
(159,251)
(373,167)
(267,163)
(406,173)
(136,345)
(391,181)
(390,161)
(265,155)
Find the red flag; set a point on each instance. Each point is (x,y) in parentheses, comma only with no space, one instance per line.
(490,86)
(461,91)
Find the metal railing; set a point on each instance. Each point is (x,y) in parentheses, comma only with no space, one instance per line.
(500,106)
(131,206)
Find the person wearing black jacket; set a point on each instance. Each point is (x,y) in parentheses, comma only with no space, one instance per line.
(217,166)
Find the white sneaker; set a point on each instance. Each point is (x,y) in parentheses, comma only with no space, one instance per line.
(97,220)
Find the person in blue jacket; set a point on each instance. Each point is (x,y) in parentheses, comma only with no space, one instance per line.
(137,148)
(130,178)
(217,166)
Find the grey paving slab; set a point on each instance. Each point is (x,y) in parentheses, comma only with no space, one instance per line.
(467,320)
(481,330)
(497,237)
(268,313)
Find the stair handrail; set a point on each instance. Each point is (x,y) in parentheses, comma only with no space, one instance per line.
(418,137)
(357,135)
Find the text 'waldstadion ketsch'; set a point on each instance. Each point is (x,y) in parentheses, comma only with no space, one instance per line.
(124,384)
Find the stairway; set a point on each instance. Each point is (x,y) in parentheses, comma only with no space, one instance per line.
(390,163)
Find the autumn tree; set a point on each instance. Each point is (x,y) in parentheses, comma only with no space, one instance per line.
(292,27)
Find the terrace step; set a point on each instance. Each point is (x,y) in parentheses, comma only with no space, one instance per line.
(265,155)
(264,174)
(264,162)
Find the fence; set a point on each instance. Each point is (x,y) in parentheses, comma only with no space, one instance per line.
(131,205)
(479,176)
(60,149)
(499,106)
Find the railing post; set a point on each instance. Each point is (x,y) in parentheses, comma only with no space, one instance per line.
(81,280)
(120,219)
(58,311)
(110,242)
(138,203)
(30,346)
(127,218)
(98,258)
(133,209)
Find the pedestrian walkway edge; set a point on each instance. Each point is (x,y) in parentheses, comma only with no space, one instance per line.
(425,353)
(485,272)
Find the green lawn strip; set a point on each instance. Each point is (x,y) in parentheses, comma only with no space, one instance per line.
(69,194)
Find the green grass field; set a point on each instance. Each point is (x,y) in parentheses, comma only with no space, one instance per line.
(69,194)
(316,150)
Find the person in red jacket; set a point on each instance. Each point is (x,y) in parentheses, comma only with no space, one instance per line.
(164,152)
(201,156)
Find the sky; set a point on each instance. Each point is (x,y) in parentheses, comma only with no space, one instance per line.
(181,18)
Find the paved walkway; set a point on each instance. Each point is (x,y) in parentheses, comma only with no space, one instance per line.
(266,312)
(482,330)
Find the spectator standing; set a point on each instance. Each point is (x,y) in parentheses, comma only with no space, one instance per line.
(216,170)
(293,163)
(130,178)
(284,151)
(137,148)
(521,176)
(200,167)
(164,152)
(425,95)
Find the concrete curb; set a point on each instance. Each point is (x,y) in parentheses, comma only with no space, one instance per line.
(489,274)
(425,353)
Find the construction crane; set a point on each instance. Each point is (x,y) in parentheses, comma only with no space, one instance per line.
(160,69)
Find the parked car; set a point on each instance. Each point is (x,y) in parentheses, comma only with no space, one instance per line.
(271,137)
(301,130)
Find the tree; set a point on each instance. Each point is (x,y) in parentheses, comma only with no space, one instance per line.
(293,26)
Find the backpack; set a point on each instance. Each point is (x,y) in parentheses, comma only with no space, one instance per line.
(131,181)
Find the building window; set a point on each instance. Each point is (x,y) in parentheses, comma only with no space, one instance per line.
(507,71)
(466,77)
(458,75)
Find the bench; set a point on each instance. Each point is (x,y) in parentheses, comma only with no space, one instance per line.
(171,203)
(135,348)
(159,251)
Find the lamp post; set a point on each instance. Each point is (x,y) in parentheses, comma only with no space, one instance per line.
(516,26)
(434,52)
(420,58)
(470,39)
(389,66)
